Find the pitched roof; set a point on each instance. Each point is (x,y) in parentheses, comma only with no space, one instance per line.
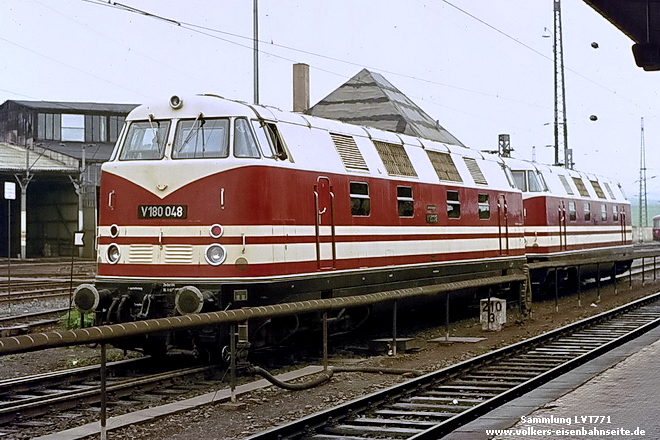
(369,99)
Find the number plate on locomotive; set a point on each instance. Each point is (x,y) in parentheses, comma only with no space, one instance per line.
(162,211)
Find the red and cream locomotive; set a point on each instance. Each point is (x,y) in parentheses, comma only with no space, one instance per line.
(209,204)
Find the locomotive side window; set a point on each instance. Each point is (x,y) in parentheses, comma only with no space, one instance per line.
(360,201)
(529,181)
(484,206)
(520,180)
(245,145)
(453,204)
(587,212)
(615,213)
(536,182)
(266,148)
(572,214)
(603,212)
(405,201)
(201,138)
(145,140)
(276,141)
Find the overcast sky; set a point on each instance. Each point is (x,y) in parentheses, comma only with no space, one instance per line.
(480,67)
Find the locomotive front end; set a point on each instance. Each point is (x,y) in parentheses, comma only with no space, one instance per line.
(171,191)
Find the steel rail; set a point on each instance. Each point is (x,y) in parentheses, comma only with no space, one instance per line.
(527,364)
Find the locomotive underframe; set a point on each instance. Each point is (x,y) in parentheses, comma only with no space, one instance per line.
(611,262)
(130,300)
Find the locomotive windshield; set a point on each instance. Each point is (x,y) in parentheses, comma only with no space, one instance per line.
(201,138)
(145,140)
(529,181)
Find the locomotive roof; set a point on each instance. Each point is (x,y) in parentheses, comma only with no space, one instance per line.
(557,186)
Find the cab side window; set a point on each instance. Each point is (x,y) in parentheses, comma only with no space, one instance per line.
(245,145)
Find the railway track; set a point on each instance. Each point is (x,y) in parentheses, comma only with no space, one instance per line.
(30,322)
(52,396)
(436,404)
(29,290)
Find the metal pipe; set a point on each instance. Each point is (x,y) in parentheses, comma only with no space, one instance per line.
(643,280)
(598,281)
(325,341)
(579,287)
(232,362)
(105,333)
(104,394)
(394,311)
(616,292)
(556,290)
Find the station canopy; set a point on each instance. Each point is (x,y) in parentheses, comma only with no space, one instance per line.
(16,159)
(640,21)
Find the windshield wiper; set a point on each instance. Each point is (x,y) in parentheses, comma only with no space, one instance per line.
(197,124)
(156,131)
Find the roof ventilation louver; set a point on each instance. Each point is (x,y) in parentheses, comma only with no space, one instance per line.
(475,171)
(349,152)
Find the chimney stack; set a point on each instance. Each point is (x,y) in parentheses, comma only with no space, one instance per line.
(300,87)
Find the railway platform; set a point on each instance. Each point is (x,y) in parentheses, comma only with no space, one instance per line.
(613,396)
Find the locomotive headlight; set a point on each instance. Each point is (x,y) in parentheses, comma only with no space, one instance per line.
(215,254)
(176,102)
(113,254)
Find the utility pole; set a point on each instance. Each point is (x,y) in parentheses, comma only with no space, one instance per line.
(255,29)
(561,129)
(643,205)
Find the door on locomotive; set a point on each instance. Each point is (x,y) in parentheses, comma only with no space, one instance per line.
(503,224)
(324,204)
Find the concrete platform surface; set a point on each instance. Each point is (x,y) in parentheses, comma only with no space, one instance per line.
(615,396)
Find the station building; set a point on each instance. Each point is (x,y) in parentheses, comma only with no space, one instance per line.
(52,152)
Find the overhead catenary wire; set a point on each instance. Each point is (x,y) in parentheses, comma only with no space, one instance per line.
(205,30)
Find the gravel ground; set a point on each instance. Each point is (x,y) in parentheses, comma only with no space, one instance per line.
(272,406)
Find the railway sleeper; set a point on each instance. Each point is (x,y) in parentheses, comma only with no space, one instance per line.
(522,364)
(501,377)
(430,415)
(447,405)
(454,401)
(409,406)
(372,430)
(572,343)
(514,369)
(403,423)
(334,437)
(560,350)
(467,390)
(497,384)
